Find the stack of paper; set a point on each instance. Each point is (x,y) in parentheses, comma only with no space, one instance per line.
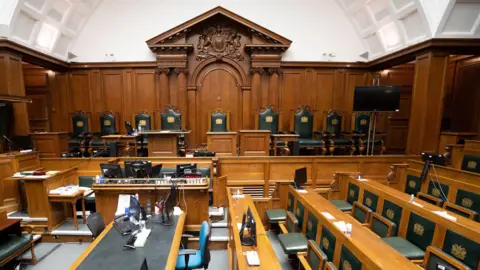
(68,190)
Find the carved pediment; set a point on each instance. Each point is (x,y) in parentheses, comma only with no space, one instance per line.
(173,36)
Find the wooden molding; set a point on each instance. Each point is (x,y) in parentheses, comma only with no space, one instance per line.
(15,99)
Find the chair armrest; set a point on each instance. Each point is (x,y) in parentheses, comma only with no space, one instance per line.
(186,252)
(283,229)
(429,198)
(187,236)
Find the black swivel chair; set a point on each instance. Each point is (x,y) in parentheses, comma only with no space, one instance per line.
(95,224)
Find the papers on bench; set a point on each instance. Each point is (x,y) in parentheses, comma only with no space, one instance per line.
(142,237)
(68,190)
(29,174)
(445,214)
(346,228)
(328,215)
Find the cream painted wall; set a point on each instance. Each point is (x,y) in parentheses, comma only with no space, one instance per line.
(121,27)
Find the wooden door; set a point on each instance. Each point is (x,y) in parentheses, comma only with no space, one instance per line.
(38,112)
(219,89)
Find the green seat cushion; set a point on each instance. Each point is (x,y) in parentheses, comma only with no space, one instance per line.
(342,141)
(342,205)
(293,242)
(276,215)
(90,199)
(11,243)
(310,142)
(404,247)
(97,143)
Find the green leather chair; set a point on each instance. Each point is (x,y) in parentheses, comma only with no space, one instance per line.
(316,258)
(435,257)
(108,126)
(292,242)
(361,213)
(333,133)
(352,196)
(437,193)
(327,243)
(13,246)
(171,119)
(464,249)
(471,163)
(370,200)
(419,236)
(303,119)
(382,226)
(469,200)
(87,181)
(393,213)
(219,121)
(274,216)
(413,185)
(268,119)
(348,261)
(312,226)
(80,135)
(143,121)
(461,211)
(359,134)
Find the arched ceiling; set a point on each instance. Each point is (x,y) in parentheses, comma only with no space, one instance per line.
(383,26)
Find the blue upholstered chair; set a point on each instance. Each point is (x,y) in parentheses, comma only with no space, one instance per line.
(195,258)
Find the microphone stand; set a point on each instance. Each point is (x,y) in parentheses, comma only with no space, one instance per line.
(10,143)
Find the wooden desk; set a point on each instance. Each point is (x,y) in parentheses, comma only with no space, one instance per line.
(45,214)
(72,199)
(365,245)
(127,139)
(50,144)
(110,244)
(222,143)
(264,249)
(254,142)
(447,137)
(163,142)
(282,137)
(195,196)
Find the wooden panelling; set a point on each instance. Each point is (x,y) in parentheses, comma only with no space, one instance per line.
(78,92)
(289,97)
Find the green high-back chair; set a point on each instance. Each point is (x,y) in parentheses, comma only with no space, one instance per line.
(268,119)
(360,125)
(80,123)
(108,123)
(303,123)
(80,135)
(333,130)
(171,118)
(219,121)
(143,120)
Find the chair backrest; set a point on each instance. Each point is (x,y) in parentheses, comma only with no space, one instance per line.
(348,260)
(462,248)
(334,122)
(171,119)
(268,119)
(420,231)
(219,121)
(459,210)
(435,257)
(413,185)
(79,123)
(300,214)
(352,195)
(468,199)
(438,190)
(312,226)
(316,258)
(361,213)
(85,181)
(381,226)
(327,243)
(303,122)
(144,120)
(370,200)
(430,199)
(292,222)
(204,243)
(95,224)
(392,212)
(471,163)
(329,266)
(361,122)
(108,124)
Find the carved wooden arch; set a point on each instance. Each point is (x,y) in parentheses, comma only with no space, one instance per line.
(197,77)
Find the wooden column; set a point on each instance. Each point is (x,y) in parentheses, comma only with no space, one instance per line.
(163,89)
(273,86)
(427,103)
(11,83)
(256,95)
(182,92)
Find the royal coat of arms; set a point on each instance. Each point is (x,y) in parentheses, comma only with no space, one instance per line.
(219,42)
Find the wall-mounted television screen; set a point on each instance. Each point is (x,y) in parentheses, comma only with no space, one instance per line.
(381,98)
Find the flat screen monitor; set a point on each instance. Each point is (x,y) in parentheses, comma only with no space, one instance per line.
(185,168)
(138,168)
(300,177)
(111,170)
(135,209)
(376,99)
(248,222)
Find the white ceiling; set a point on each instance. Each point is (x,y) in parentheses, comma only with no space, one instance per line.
(384,26)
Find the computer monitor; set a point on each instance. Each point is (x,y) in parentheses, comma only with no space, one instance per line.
(156,171)
(129,128)
(135,209)
(138,168)
(111,170)
(185,168)
(300,177)
(249,223)
(166,208)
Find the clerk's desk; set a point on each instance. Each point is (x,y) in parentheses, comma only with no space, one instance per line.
(236,259)
(163,142)
(160,250)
